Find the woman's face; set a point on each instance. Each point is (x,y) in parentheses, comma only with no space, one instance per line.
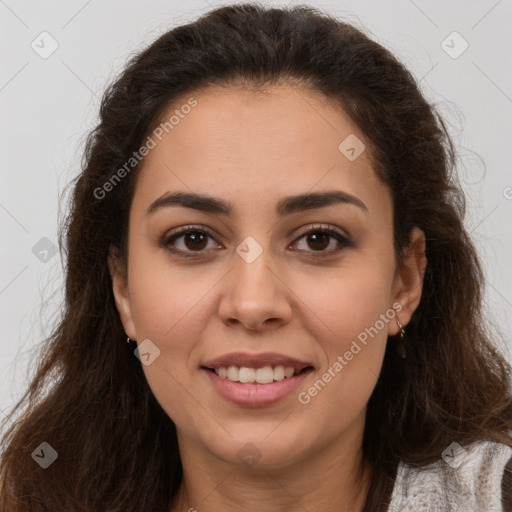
(248,288)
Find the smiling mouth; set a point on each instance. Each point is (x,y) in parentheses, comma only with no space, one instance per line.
(262,375)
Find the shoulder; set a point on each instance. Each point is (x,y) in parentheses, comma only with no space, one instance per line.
(473,478)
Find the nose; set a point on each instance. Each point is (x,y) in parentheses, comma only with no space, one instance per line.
(254,295)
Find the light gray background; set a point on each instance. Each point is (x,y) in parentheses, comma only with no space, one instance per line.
(48,105)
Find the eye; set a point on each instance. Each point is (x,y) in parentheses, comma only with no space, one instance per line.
(188,240)
(195,239)
(320,237)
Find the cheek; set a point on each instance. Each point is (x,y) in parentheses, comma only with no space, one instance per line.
(167,299)
(349,300)
(168,307)
(351,328)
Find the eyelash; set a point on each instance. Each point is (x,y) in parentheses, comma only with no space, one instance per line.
(341,238)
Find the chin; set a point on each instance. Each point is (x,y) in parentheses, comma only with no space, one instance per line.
(271,445)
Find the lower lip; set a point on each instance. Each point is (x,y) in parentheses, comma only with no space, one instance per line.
(253,395)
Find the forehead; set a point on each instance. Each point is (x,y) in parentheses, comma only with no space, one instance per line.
(247,145)
(242,120)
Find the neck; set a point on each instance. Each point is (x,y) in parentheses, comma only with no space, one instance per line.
(333,479)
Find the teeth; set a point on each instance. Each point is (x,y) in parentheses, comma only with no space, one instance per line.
(233,372)
(279,373)
(247,375)
(263,375)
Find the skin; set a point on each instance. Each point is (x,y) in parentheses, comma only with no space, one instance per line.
(253,149)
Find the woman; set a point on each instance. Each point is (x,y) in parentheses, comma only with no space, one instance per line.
(268,215)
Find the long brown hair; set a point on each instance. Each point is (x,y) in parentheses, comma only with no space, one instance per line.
(89,399)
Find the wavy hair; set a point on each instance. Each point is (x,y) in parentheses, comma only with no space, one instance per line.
(88,397)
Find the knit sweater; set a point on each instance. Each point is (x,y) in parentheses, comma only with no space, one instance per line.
(464,480)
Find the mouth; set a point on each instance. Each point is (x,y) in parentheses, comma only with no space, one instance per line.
(262,375)
(256,394)
(243,361)
(252,380)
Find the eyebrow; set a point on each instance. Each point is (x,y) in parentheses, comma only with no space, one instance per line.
(286,206)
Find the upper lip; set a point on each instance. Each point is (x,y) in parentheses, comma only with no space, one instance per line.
(255,361)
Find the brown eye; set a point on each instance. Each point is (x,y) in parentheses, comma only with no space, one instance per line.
(195,240)
(317,240)
(192,241)
(187,241)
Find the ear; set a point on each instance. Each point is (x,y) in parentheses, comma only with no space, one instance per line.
(119,275)
(408,283)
